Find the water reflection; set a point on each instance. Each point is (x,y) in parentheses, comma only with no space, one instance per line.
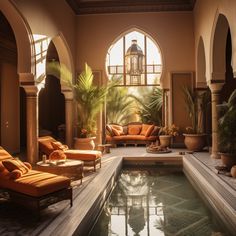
(147,202)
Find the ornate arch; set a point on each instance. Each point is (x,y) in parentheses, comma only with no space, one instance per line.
(201,64)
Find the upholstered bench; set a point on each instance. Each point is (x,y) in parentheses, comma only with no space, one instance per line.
(48,144)
(32,189)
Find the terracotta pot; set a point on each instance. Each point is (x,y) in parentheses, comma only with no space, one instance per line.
(165,140)
(195,142)
(84,143)
(233,171)
(228,160)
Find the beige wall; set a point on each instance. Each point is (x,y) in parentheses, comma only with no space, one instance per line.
(205,16)
(173,31)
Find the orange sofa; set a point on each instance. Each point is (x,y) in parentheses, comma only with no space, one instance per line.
(132,133)
(32,189)
(48,144)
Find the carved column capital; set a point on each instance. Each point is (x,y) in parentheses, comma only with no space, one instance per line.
(216,87)
(68,93)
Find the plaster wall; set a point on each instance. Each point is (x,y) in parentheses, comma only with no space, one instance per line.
(206,13)
(172,31)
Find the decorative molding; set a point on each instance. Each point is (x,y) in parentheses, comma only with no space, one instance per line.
(126,6)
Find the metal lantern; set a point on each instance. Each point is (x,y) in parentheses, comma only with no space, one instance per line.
(134,60)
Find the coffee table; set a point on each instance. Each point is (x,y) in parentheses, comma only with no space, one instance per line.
(70,168)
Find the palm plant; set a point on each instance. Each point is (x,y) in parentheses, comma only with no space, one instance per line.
(89,97)
(196,105)
(150,110)
(118,104)
(227,125)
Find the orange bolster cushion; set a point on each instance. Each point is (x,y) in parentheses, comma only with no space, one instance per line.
(116,132)
(28,165)
(15,174)
(15,164)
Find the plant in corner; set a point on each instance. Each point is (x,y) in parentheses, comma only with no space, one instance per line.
(196,104)
(89,99)
(227,131)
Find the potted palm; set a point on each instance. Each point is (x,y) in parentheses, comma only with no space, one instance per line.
(195,138)
(227,131)
(89,100)
(166,135)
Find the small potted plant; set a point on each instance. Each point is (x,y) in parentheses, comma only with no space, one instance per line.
(195,138)
(166,135)
(227,131)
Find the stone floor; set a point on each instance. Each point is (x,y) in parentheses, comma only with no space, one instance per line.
(17,221)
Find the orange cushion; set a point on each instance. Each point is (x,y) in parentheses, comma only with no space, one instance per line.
(116,132)
(36,183)
(45,144)
(83,155)
(28,165)
(117,127)
(59,146)
(15,174)
(4,173)
(15,164)
(134,129)
(146,130)
(57,155)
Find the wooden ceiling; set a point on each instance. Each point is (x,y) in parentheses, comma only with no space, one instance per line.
(81,7)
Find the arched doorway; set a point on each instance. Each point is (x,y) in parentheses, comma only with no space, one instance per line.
(9,90)
(52,102)
(221,49)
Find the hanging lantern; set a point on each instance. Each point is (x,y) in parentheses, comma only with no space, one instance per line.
(134,60)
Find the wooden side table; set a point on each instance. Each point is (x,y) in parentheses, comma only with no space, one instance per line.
(72,169)
(104,148)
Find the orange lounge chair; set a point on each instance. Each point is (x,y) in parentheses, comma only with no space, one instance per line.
(48,144)
(33,189)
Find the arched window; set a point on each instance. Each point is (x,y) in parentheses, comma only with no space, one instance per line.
(135,59)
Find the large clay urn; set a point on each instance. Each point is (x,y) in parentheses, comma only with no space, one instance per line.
(195,142)
(84,143)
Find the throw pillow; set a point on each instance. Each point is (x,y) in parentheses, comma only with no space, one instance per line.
(118,127)
(134,129)
(15,164)
(109,130)
(15,174)
(57,155)
(116,132)
(146,130)
(155,131)
(59,146)
(4,173)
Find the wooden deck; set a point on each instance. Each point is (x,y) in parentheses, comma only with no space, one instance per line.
(60,219)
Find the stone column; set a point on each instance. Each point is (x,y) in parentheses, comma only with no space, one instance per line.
(32,122)
(69,112)
(215,98)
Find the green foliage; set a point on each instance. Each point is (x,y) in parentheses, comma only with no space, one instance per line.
(196,105)
(150,108)
(119,106)
(227,126)
(90,98)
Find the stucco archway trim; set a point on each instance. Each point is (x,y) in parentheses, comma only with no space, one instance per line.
(24,39)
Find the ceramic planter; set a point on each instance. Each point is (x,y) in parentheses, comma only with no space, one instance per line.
(195,142)
(84,143)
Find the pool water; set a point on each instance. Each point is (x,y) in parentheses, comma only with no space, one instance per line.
(153,202)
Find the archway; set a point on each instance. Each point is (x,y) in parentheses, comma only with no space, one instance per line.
(9,89)
(219,69)
(51,102)
(201,64)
